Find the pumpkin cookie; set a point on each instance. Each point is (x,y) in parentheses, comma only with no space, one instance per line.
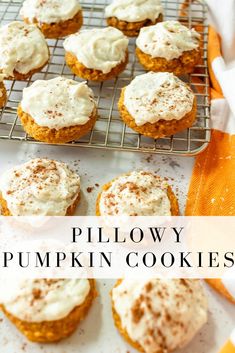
(131,15)
(57,18)
(97,54)
(168,46)
(23,50)
(47,310)
(158,315)
(157,105)
(137,194)
(40,187)
(58,110)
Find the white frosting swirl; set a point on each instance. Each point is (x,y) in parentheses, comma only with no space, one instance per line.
(49,11)
(167,40)
(99,48)
(38,300)
(154,96)
(58,103)
(138,193)
(134,10)
(40,187)
(160,314)
(22,48)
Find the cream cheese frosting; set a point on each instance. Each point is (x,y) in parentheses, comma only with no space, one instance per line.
(154,96)
(160,314)
(58,103)
(99,48)
(40,187)
(22,48)
(49,11)
(134,10)
(138,193)
(38,300)
(168,40)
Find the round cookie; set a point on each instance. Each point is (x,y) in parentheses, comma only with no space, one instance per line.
(168,46)
(97,54)
(139,193)
(226,287)
(158,315)
(157,105)
(3,92)
(55,18)
(59,110)
(131,15)
(37,307)
(23,50)
(40,187)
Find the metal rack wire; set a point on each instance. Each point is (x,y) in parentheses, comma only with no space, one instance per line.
(109,131)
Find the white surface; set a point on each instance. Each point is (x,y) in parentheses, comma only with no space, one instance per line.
(97,333)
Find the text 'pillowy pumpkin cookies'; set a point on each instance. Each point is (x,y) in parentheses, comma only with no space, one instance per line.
(157,105)
(97,54)
(55,18)
(168,46)
(23,50)
(58,110)
(40,187)
(47,310)
(139,193)
(159,315)
(131,15)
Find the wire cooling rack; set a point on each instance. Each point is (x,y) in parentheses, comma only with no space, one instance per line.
(110,132)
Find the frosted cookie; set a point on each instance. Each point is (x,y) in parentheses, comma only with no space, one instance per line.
(168,46)
(97,54)
(159,315)
(40,187)
(157,105)
(138,193)
(3,93)
(131,15)
(225,286)
(47,310)
(58,110)
(55,18)
(23,50)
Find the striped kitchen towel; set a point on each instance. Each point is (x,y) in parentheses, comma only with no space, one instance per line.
(229,346)
(212,187)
